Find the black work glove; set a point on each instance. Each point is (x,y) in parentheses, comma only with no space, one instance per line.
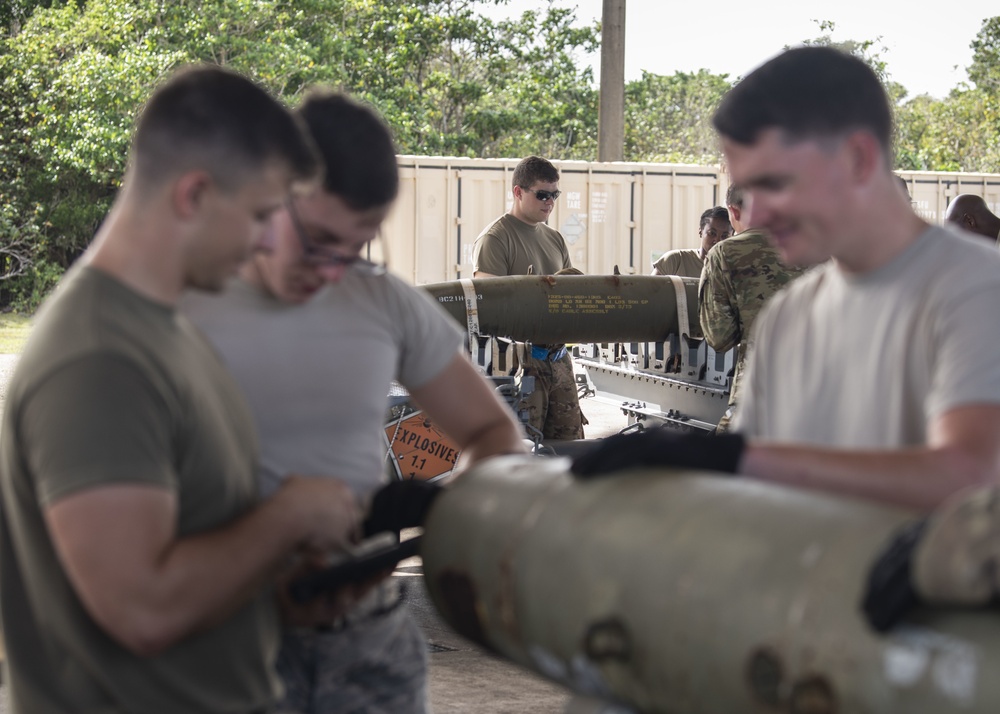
(661,447)
(400,504)
(889,594)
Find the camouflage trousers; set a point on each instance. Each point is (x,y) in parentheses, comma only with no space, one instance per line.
(376,666)
(554,406)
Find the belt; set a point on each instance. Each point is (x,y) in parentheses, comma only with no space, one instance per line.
(547,354)
(383,600)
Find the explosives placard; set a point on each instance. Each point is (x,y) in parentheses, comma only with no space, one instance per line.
(419,449)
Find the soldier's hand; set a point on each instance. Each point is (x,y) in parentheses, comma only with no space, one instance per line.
(399,505)
(661,447)
(890,593)
(325,509)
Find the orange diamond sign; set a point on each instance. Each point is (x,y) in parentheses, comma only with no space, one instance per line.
(419,449)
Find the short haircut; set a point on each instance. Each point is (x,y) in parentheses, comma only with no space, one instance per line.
(734,196)
(356,146)
(711,214)
(532,169)
(209,118)
(808,93)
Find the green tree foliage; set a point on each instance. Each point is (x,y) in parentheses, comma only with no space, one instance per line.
(669,118)
(549,103)
(984,71)
(449,81)
(958,133)
(455,83)
(70,81)
(872,52)
(13,13)
(962,131)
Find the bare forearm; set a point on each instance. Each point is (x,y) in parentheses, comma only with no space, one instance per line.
(203,579)
(469,411)
(149,588)
(918,478)
(501,436)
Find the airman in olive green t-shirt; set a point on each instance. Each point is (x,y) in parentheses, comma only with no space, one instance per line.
(520,243)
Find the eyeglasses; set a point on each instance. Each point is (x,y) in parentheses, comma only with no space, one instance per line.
(317,256)
(543,195)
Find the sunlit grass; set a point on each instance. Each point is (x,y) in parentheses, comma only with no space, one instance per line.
(14,329)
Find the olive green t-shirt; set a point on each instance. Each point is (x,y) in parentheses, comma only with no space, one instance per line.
(509,246)
(686,262)
(113,388)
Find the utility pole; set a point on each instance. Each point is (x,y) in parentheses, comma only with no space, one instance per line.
(611,116)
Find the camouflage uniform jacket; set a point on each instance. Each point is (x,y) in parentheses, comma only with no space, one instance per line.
(741,273)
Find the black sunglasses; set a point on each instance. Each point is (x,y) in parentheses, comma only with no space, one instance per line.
(315,255)
(543,195)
